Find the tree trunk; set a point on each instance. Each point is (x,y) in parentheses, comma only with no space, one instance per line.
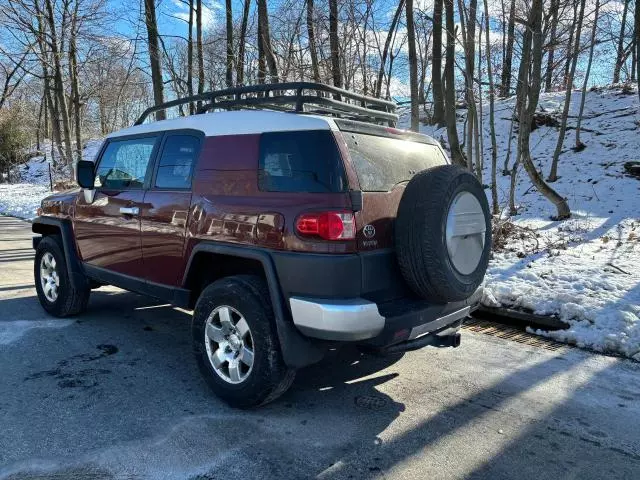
(229,73)
(265,40)
(552,45)
(637,46)
(154,56)
(508,54)
(334,44)
(594,32)
(436,66)
(199,52)
(479,143)
(242,42)
(387,44)
(529,95)
(413,67)
(58,82)
(553,174)
(572,30)
(73,77)
(621,56)
(450,87)
(190,59)
(492,124)
(468,27)
(312,42)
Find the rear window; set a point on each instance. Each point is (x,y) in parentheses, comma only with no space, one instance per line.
(382,162)
(300,161)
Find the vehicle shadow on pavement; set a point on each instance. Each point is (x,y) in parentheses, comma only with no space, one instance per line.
(564,442)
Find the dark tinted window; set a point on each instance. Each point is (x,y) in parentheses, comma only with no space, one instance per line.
(178,158)
(301,161)
(382,162)
(124,163)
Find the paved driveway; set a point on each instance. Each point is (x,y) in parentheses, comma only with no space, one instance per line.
(115,394)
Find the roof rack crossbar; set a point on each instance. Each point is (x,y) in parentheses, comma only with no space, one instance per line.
(367,108)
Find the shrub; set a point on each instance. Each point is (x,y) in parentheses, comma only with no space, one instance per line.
(14,139)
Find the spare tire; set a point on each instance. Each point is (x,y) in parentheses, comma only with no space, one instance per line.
(443,234)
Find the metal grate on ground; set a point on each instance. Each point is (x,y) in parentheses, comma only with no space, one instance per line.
(515,335)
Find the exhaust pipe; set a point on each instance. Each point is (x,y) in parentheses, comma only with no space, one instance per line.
(452,340)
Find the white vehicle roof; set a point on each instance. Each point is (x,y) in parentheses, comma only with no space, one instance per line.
(237,122)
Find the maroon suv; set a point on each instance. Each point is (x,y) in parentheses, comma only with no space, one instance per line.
(286,232)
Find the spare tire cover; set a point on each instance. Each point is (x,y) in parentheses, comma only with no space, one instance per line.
(443,234)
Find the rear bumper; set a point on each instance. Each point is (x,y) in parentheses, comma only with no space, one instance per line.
(378,325)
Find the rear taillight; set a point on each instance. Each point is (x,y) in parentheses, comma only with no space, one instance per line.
(327,225)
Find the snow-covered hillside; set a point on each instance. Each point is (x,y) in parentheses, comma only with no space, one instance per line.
(22,199)
(584,270)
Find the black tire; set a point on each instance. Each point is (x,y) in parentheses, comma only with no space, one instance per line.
(269,377)
(70,300)
(420,234)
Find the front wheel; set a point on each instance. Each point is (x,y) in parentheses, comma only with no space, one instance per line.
(236,343)
(56,293)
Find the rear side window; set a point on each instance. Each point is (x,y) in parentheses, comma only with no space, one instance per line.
(382,162)
(178,158)
(124,163)
(300,161)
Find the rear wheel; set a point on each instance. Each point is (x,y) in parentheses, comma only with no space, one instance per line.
(236,343)
(56,293)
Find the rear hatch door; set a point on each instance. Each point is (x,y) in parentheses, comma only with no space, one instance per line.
(384,160)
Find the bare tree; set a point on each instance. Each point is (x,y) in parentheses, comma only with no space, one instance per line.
(190,57)
(58,82)
(552,44)
(73,76)
(492,125)
(531,81)
(241,43)
(621,52)
(199,49)
(313,52)
(594,31)
(154,55)
(387,44)
(413,67)
(553,174)
(505,87)
(264,43)
(450,87)
(436,66)
(13,76)
(229,15)
(637,41)
(334,43)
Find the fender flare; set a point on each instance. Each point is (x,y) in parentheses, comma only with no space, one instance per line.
(42,225)
(297,350)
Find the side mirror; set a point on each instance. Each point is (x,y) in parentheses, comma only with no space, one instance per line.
(85,174)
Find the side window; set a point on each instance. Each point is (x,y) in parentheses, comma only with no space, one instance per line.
(178,158)
(124,163)
(300,161)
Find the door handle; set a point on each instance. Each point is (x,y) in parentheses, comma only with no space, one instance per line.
(129,210)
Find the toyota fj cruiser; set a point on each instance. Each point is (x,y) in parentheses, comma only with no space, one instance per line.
(290,217)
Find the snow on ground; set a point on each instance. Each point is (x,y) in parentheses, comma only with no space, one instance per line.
(583,270)
(23,199)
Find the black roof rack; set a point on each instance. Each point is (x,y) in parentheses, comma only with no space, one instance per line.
(299,97)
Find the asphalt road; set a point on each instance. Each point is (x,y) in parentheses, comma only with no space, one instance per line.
(115,393)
